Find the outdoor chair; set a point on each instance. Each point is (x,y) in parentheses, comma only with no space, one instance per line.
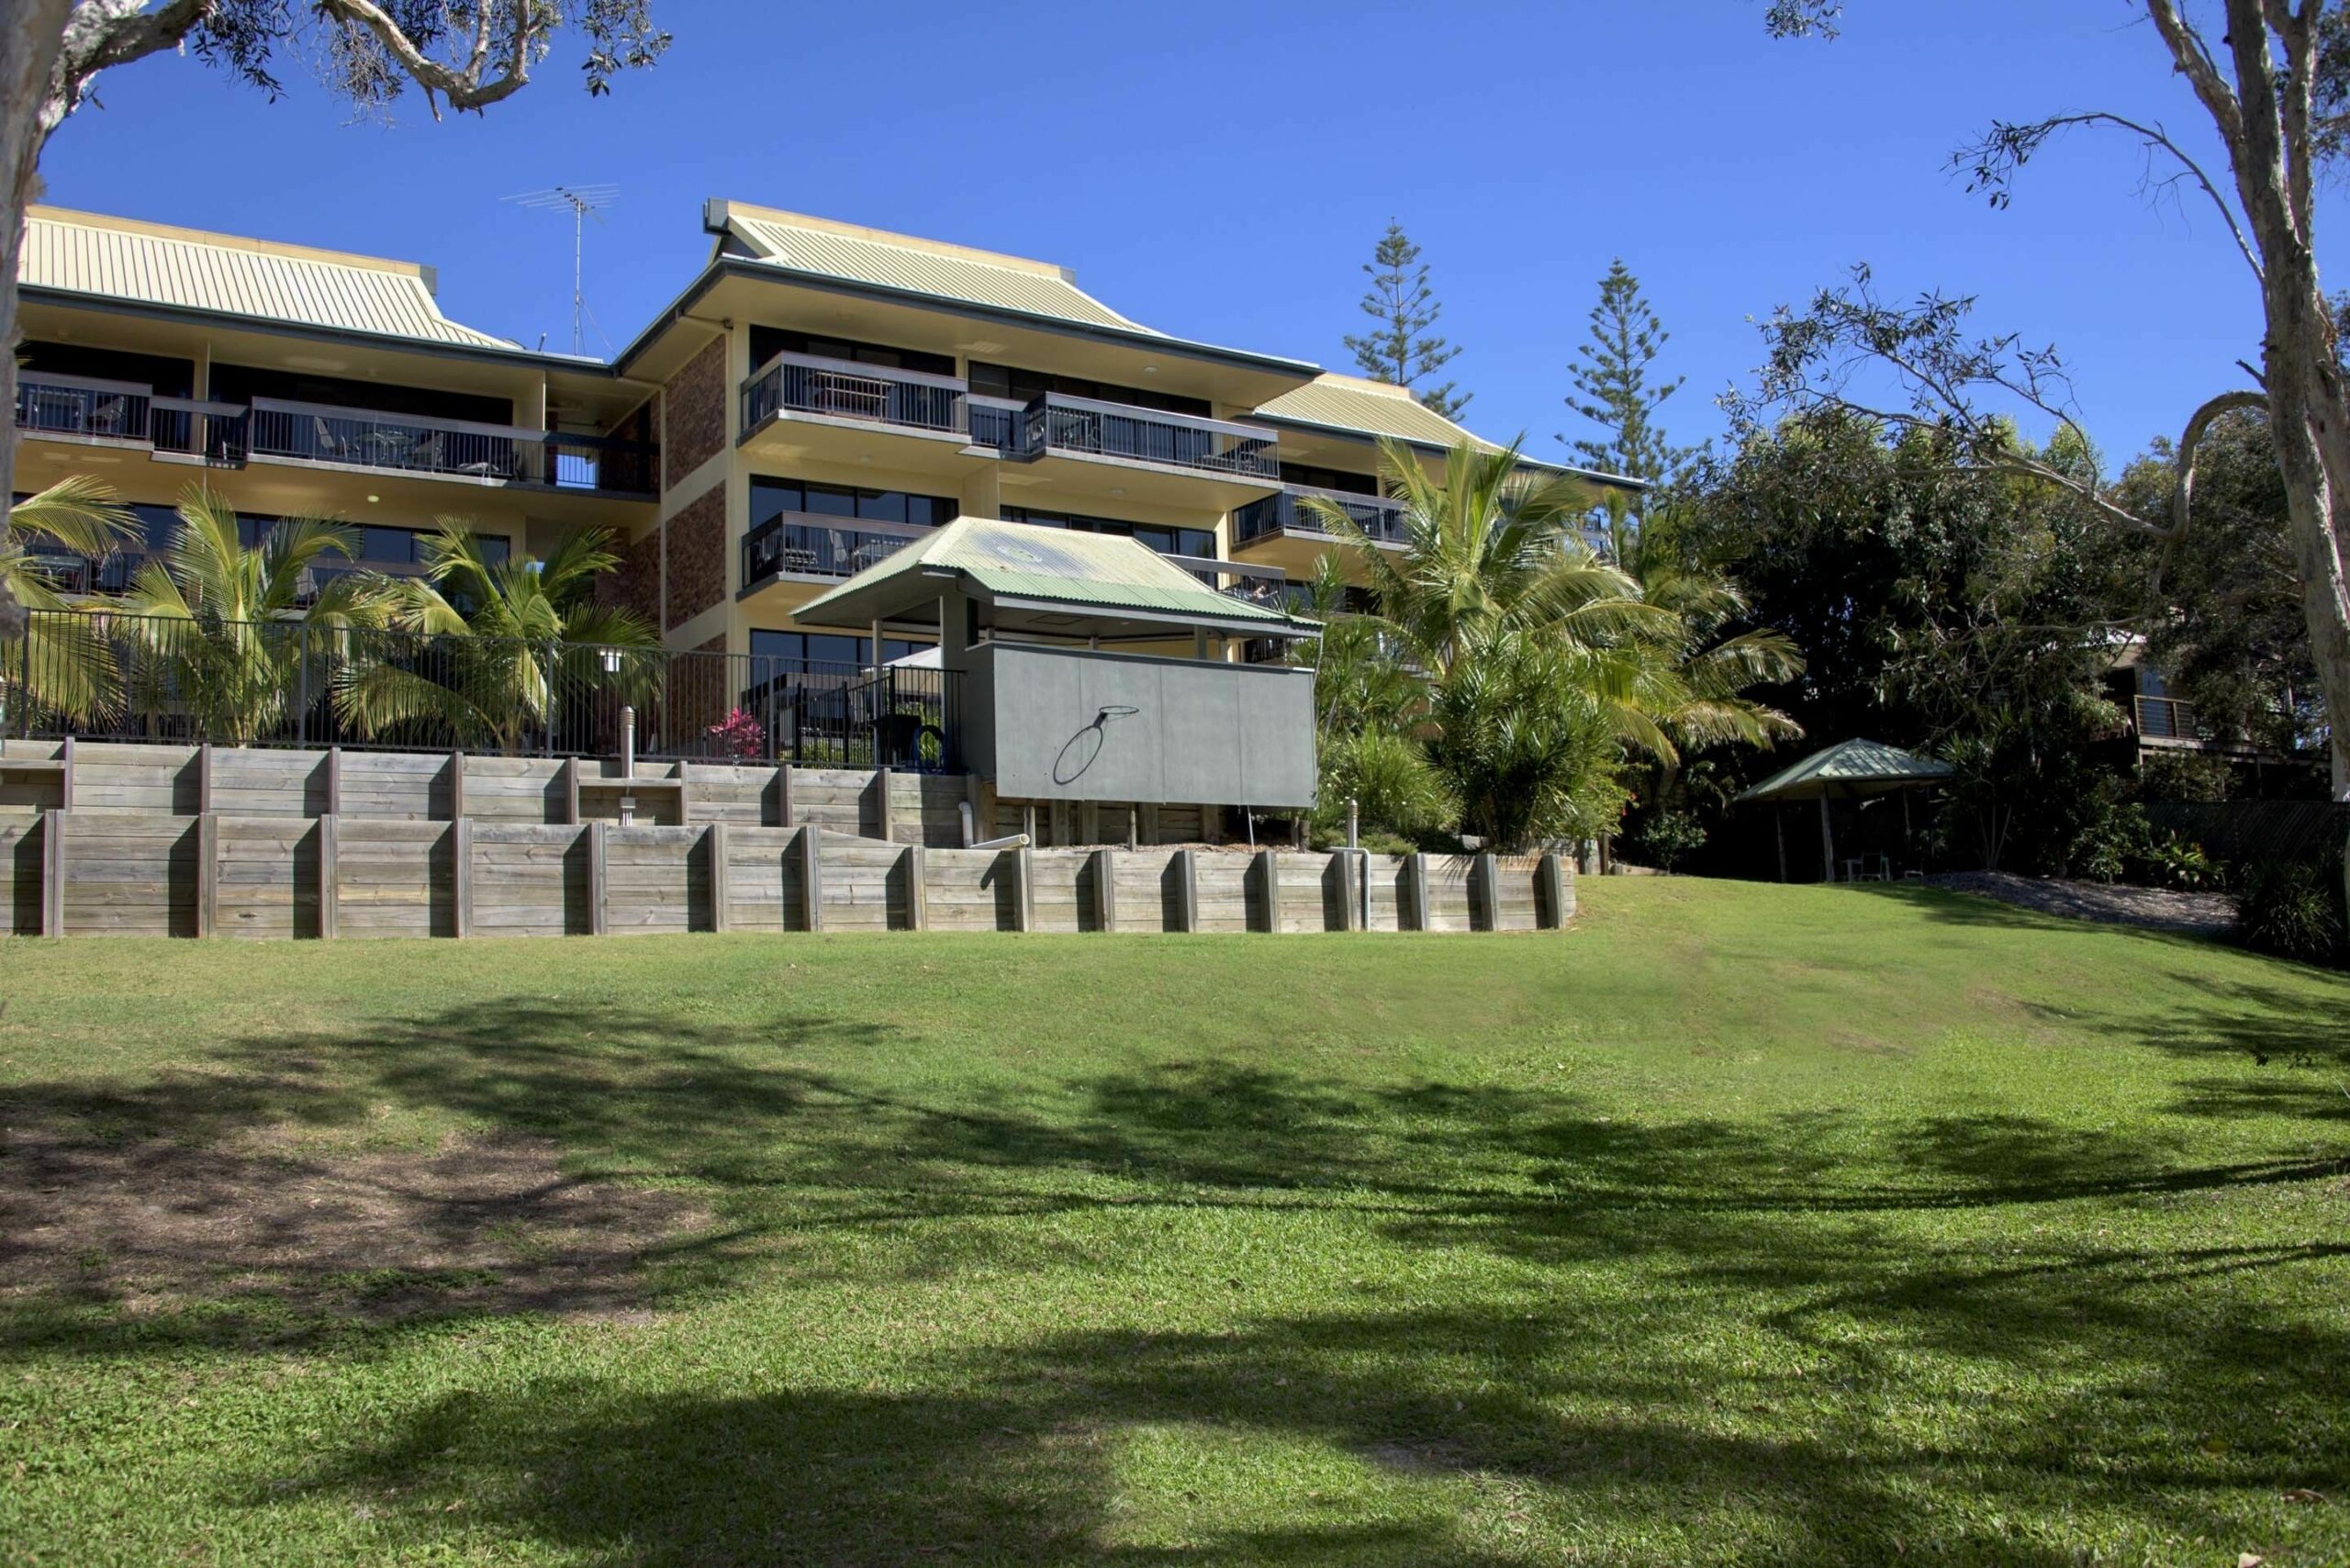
(329,443)
(108,417)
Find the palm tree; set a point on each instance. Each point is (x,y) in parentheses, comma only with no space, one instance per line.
(1535,659)
(64,665)
(1716,671)
(223,634)
(520,634)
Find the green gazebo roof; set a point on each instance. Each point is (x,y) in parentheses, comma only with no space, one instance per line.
(1849,768)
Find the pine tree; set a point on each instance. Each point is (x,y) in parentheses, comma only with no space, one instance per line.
(1400,350)
(1614,392)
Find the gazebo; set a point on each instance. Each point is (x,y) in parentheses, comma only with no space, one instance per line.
(1850,770)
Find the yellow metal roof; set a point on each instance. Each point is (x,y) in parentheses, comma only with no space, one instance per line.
(1368,407)
(188,269)
(921,266)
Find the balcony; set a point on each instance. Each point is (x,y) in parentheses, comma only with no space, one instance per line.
(230,434)
(1380,518)
(2166,719)
(805,386)
(1081,427)
(808,545)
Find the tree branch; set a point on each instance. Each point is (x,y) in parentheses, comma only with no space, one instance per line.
(1995,158)
(464,89)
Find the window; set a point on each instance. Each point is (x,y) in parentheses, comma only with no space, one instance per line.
(1319,479)
(769,341)
(1164,538)
(824,653)
(770,496)
(1009,381)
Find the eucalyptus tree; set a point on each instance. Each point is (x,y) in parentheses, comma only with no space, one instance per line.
(463,55)
(508,639)
(2273,78)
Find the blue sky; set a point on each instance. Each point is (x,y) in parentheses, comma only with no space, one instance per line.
(1221,172)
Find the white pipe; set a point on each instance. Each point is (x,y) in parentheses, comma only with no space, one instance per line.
(1014,841)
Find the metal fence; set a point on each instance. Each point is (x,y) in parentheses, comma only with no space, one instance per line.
(104,675)
(2242,830)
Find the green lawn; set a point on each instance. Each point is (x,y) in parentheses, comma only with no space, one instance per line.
(1739,1224)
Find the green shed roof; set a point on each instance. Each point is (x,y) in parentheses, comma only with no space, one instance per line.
(1024,561)
(1849,768)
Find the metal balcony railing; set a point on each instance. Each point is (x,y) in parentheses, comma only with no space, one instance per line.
(1056,423)
(317,432)
(1268,585)
(844,389)
(804,545)
(1381,519)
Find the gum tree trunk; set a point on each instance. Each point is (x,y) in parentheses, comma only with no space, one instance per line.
(30,41)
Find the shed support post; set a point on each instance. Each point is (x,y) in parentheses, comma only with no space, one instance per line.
(1826,844)
(1779,831)
(329,876)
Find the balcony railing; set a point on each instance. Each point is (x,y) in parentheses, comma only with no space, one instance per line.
(803,545)
(1381,519)
(2166,719)
(1268,585)
(315,432)
(318,433)
(1055,423)
(843,389)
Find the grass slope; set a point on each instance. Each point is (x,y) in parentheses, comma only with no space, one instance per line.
(1740,1224)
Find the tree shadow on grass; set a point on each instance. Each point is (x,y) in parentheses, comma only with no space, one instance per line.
(1863,1252)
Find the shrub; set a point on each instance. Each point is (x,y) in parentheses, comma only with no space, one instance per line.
(2293,909)
(1667,835)
(2184,776)
(2180,864)
(739,736)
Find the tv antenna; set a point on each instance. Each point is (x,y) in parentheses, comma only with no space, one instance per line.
(582,202)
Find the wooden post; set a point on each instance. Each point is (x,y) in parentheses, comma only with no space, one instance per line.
(598,878)
(1417,875)
(1211,823)
(329,873)
(1297,832)
(334,781)
(1147,830)
(783,794)
(1550,893)
(812,878)
(207,874)
(721,903)
(1134,825)
(460,871)
(1349,865)
(1827,842)
(1187,889)
(685,794)
(1484,879)
(1024,908)
(1779,831)
(571,791)
(1062,835)
(52,873)
(1268,869)
(456,786)
(1105,892)
(65,778)
(1089,823)
(917,890)
(204,779)
(884,812)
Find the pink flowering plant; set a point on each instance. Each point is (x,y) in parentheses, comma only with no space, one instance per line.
(739,736)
